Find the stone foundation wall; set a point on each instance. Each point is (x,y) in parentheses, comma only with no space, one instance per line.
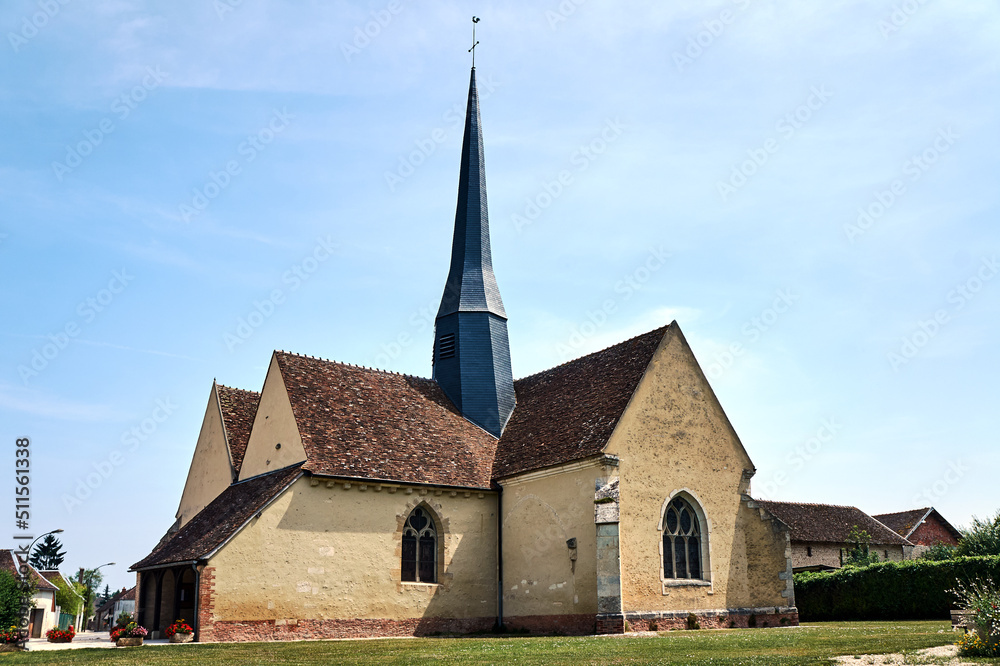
(741,618)
(296,630)
(572,625)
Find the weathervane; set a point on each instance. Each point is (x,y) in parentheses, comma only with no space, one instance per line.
(475,20)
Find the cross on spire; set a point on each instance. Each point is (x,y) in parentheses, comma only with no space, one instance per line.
(475,20)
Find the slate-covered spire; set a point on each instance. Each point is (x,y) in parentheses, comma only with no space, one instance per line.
(471,350)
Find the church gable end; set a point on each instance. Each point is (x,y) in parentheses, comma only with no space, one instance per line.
(274,440)
(211,469)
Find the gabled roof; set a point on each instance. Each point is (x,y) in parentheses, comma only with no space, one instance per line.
(363,423)
(905,523)
(120,595)
(569,412)
(8,563)
(221,519)
(238,410)
(829,523)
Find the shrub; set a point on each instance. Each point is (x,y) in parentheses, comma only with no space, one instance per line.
(10,600)
(982,538)
(982,599)
(971,645)
(692,622)
(908,590)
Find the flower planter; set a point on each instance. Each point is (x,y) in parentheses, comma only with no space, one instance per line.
(10,647)
(182,638)
(984,635)
(130,641)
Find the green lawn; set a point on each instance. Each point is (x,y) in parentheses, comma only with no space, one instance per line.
(809,644)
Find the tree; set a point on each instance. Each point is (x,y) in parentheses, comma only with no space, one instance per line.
(104,596)
(858,552)
(48,555)
(66,597)
(10,600)
(90,579)
(982,538)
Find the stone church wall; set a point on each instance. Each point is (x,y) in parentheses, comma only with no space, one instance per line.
(323,561)
(548,586)
(674,439)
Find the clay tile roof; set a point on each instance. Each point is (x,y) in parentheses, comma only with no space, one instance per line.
(904,523)
(8,563)
(569,412)
(238,410)
(129,594)
(221,519)
(363,423)
(829,523)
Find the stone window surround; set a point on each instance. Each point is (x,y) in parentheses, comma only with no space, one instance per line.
(706,545)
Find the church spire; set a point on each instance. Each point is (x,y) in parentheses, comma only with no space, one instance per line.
(471,350)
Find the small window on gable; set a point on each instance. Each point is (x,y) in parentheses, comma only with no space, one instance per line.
(809,551)
(419,558)
(446,346)
(682,541)
(887,555)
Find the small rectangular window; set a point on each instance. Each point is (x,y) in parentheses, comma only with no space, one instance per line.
(446,346)
(809,551)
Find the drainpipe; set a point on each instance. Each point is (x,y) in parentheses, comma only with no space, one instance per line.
(500,626)
(197,599)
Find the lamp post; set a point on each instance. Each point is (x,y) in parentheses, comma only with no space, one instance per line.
(86,605)
(26,602)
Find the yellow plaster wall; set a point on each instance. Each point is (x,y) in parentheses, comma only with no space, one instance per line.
(323,553)
(274,424)
(211,470)
(675,437)
(541,511)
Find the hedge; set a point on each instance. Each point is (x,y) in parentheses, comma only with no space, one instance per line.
(908,590)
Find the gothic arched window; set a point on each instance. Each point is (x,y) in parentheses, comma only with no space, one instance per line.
(682,541)
(419,548)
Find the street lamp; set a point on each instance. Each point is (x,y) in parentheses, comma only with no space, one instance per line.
(89,591)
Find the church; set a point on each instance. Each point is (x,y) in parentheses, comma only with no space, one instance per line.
(604,495)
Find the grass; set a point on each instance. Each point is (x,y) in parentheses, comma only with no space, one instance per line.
(809,644)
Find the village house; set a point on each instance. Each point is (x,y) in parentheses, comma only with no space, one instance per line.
(44,612)
(921,527)
(343,501)
(819,534)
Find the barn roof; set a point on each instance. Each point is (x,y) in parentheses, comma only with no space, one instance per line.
(905,523)
(829,523)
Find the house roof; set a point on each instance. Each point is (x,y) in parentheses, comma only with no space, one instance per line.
(8,563)
(364,423)
(569,412)
(120,595)
(905,523)
(829,523)
(238,410)
(221,519)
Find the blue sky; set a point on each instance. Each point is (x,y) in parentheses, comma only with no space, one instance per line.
(809,189)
